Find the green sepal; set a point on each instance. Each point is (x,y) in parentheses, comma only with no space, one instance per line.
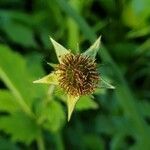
(52,78)
(59,49)
(93,49)
(86,103)
(104,84)
(52,65)
(71,102)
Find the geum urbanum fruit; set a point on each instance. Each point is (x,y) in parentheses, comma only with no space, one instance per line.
(76,75)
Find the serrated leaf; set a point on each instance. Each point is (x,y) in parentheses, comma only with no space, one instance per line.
(7,102)
(104,84)
(92,51)
(20,127)
(86,103)
(52,78)
(53,116)
(59,49)
(71,102)
(14,74)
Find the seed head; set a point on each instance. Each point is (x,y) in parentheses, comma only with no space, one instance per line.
(78,74)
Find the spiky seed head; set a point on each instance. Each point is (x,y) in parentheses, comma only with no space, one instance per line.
(78,74)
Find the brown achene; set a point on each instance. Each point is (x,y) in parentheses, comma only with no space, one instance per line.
(78,74)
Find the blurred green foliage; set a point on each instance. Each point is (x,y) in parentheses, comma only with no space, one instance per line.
(34,117)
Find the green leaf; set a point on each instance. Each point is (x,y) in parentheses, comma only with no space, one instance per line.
(118,140)
(59,49)
(105,84)
(138,11)
(7,101)
(53,116)
(92,51)
(20,127)
(93,142)
(112,125)
(35,68)
(139,32)
(34,64)
(52,78)
(5,144)
(71,102)
(20,34)
(14,74)
(86,103)
(144,108)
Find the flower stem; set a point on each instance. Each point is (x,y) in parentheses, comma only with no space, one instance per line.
(40,142)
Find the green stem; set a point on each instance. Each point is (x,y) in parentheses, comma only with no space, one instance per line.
(42,118)
(40,142)
(59,141)
(73,30)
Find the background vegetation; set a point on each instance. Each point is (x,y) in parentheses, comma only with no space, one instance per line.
(32,116)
